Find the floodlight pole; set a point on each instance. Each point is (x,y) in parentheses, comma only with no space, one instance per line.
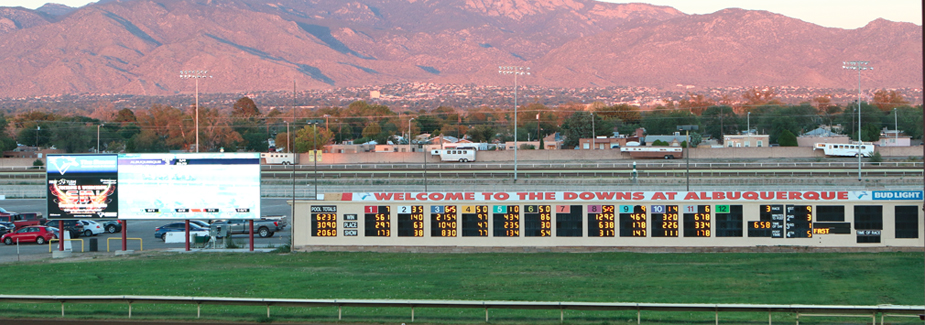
(409,134)
(515,70)
(315,154)
(859,66)
(196,75)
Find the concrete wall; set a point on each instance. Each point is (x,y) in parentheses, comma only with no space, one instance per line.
(591,155)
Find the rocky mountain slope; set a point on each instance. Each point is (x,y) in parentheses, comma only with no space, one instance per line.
(139,46)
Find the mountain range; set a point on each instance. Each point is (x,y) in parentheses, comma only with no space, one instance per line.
(140,46)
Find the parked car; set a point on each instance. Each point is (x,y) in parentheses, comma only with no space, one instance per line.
(21,219)
(200,223)
(74,227)
(263,228)
(36,234)
(6,227)
(112,226)
(162,231)
(92,228)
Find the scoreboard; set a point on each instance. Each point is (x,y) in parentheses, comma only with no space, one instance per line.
(612,219)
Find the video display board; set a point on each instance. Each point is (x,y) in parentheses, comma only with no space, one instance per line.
(189,186)
(82,186)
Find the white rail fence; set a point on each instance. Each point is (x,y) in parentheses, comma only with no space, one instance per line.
(800,310)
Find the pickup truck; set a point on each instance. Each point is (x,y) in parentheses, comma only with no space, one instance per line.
(20,220)
(262,227)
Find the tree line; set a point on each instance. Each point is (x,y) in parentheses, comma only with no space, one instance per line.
(243,127)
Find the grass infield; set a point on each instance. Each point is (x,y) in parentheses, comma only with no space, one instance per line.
(765,278)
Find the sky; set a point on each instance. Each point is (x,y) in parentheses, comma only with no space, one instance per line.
(848,14)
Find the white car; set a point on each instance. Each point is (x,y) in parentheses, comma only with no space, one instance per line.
(92,228)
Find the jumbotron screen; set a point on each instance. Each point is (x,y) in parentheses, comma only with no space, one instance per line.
(82,186)
(189,186)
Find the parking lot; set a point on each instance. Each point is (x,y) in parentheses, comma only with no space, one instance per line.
(143,229)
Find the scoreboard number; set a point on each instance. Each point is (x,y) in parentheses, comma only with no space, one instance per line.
(474,220)
(324,220)
(410,221)
(443,221)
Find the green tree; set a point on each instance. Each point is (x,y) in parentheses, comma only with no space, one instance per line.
(664,122)
(6,141)
(909,120)
(146,141)
(579,125)
(787,139)
(719,121)
(775,119)
(372,130)
(871,122)
(309,137)
(482,133)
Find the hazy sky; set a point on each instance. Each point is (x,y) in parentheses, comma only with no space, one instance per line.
(848,14)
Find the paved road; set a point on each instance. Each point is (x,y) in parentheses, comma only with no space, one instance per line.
(143,229)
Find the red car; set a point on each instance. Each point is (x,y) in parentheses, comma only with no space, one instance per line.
(37,234)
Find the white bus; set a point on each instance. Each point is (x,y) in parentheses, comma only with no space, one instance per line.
(455,154)
(845,149)
(276,158)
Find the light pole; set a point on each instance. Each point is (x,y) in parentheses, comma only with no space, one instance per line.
(687,150)
(895,127)
(37,129)
(288,143)
(516,71)
(748,131)
(196,75)
(859,66)
(315,154)
(593,133)
(409,134)
(98,136)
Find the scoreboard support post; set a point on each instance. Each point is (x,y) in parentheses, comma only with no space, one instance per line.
(61,234)
(124,234)
(251,233)
(187,234)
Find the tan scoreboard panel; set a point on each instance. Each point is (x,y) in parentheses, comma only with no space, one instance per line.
(530,219)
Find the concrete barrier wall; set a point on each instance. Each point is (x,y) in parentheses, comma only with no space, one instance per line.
(589,155)
(17,162)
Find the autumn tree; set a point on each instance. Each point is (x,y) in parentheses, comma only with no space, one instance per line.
(245,108)
(887,100)
(761,96)
(171,125)
(695,103)
(626,113)
(825,108)
(125,115)
(216,131)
